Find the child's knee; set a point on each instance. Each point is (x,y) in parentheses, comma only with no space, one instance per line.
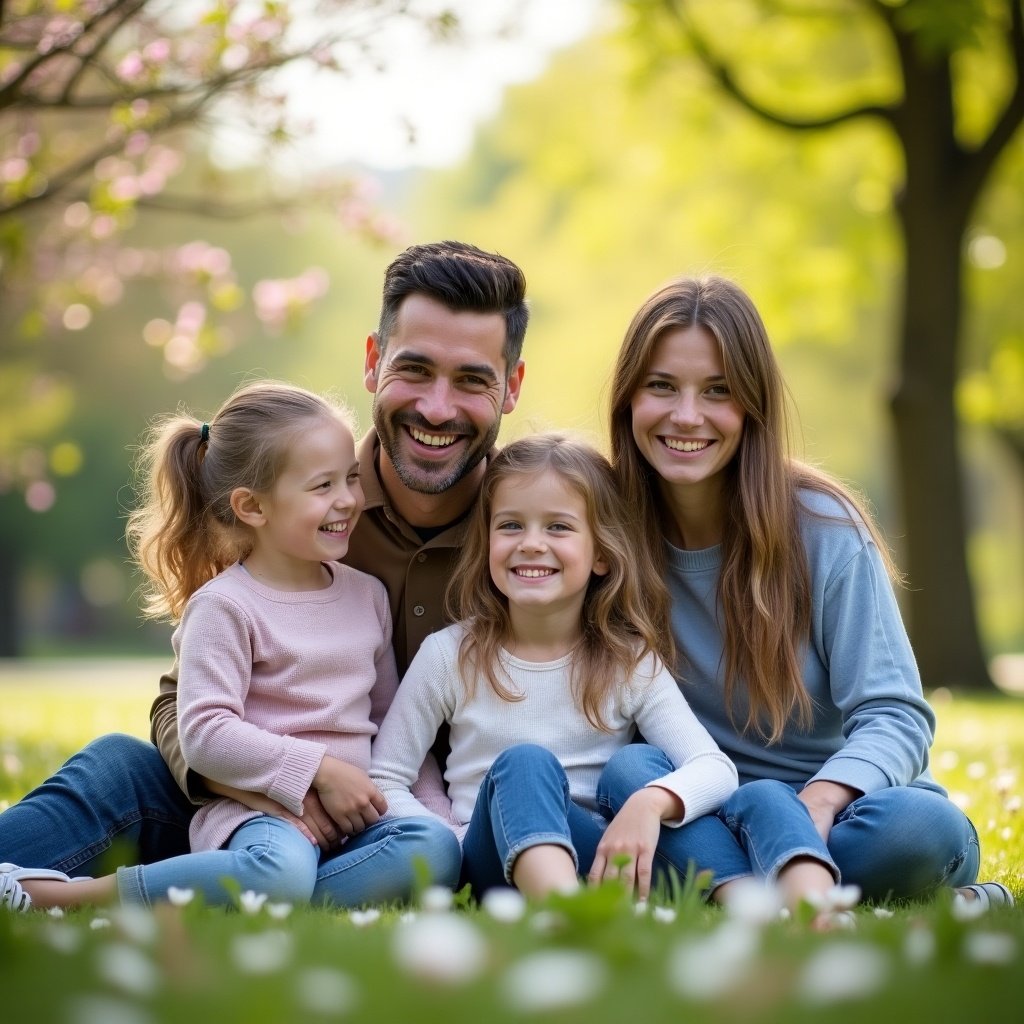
(436,845)
(522,756)
(633,766)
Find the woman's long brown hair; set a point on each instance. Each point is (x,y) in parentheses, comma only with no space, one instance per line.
(764,590)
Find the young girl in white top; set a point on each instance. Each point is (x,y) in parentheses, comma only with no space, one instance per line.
(285,660)
(556,660)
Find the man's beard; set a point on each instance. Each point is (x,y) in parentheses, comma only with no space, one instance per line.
(428,477)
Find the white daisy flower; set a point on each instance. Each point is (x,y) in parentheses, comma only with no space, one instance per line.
(180,897)
(554,979)
(442,948)
(326,990)
(505,905)
(436,899)
(127,968)
(843,972)
(363,918)
(995,948)
(252,902)
(262,952)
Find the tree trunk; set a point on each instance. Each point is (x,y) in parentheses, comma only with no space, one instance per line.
(10,646)
(933,216)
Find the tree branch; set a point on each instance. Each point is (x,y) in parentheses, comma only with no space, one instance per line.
(216,210)
(979,163)
(9,94)
(725,78)
(59,182)
(85,59)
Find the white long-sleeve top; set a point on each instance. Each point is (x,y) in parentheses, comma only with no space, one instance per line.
(481,728)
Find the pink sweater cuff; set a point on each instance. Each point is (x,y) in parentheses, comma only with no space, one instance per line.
(300,764)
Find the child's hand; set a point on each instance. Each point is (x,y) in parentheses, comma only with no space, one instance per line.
(633,833)
(264,804)
(348,795)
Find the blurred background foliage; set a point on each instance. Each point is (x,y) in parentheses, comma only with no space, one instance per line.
(620,166)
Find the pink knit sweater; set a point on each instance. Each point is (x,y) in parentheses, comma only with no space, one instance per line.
(272,680)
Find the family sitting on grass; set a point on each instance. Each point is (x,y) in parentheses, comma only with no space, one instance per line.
(687,659)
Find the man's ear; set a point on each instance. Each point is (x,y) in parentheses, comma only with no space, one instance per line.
(513,383)
(246,506)
(373,358)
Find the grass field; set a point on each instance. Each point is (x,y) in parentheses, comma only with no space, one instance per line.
(592,958)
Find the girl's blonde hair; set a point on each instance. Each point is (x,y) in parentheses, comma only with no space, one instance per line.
(183,531)
(764,590)
(625,613)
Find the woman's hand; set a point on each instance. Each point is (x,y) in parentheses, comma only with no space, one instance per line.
(633,833)
(824,800)
(348,795)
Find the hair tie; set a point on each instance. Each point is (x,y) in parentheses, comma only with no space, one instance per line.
(204,433)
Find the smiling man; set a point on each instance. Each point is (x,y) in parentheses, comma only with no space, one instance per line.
(443,366)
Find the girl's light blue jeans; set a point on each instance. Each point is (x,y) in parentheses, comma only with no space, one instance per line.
(523,802)
(269,855)
(897,843)
(116,802)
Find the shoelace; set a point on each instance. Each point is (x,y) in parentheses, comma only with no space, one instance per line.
(13,895)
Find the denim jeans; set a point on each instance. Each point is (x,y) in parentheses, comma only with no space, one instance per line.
(524,801)
(269,855)
(114,802)
(897,843)
(382,863)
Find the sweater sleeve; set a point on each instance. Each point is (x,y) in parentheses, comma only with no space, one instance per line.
(887,724)
(406,735)
(704,777)
(215,656)
(386,683)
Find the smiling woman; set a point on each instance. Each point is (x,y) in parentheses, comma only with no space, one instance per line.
(792,650)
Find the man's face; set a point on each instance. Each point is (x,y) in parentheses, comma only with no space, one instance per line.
(440,389)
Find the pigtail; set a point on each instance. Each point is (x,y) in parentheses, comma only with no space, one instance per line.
(173,535)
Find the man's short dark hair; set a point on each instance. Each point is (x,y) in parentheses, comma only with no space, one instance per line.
(463,278)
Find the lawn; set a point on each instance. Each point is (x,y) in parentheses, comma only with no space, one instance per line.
(592,958)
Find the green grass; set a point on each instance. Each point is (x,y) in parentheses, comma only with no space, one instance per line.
(190,964)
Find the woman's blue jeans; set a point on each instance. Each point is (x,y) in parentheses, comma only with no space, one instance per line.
(897,843)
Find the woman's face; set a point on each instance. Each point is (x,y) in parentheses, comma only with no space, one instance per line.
(686,423)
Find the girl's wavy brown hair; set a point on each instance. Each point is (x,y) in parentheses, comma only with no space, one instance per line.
(625,613)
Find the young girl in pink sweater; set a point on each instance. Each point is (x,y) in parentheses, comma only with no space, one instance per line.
(284,656)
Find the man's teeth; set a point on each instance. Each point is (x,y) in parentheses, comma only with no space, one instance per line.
(534,574)
(434,440)
(686,446)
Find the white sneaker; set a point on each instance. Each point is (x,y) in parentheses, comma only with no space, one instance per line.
(12,895)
